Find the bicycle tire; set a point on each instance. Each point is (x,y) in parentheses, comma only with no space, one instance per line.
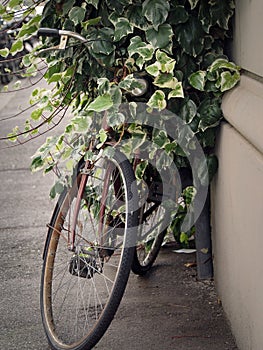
(144,257)
(91,268)
(155,217)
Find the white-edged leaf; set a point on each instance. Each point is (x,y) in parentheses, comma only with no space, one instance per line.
(177,91)
(101,103)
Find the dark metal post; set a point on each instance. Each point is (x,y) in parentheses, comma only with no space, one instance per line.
(203,243)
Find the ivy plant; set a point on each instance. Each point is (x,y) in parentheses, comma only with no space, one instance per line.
(177,47)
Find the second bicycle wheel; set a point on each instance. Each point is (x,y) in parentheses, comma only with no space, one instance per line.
(81,288)
(155,217)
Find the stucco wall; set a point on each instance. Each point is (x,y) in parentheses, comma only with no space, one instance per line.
(248,48)
(237,191)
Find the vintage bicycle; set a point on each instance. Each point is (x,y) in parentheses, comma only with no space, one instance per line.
(103,226)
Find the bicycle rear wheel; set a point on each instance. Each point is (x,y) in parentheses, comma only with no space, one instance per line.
(81,289)
(152,233)
(155,217)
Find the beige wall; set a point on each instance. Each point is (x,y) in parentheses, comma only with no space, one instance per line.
(237,191)
(248,48)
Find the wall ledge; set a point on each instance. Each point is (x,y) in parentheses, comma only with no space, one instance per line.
(243,109)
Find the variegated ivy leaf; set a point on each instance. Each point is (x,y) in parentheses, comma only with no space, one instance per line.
(154,69)
(177,91)
(197,80)
(165,80)
(145,51)
(188,111)
(166,63)
(122,26)
(115,118)
(103,86)
(129,83)
(101,103)
(191,36)
(137,46)
(77,14)
(4,52)
(81,123)
(30,27)
(221,12)
(136,18)
(228,80)
(157,100)
(17,46)
(161,38)
(156,11)
(222,63)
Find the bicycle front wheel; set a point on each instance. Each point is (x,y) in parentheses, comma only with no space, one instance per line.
(81,288)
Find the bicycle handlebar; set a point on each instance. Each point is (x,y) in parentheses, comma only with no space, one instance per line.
(60,32)
(48,32)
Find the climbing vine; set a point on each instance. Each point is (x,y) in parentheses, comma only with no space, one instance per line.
(177,47)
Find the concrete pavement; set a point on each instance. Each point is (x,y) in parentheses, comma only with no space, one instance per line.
(168,309)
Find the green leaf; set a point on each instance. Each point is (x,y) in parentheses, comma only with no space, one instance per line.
(210,113)
(55,78)
(156,11)
(103,136)
(222,63)
(167,63)
(140,169)
(157,100)
(17,46)
(178,15)
(91,22)
(212,165)
(197,80)
(191,36)
(30,27)
(67,6)
(188,111)
(160,138)
(115,118)
(103,86)
(137,46)
(153,69)
(228,80)
(165,80)
(95,3)
(101,103)
(116,96)
(81,123)
(103,43)
(14,3)
(122,28)
(36,114)
(221,12)
(56,189)
(4,52)
(161,38)
(77,14)
(177,91)
(36,163)
(129,83)
(135,16)
(2,9)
